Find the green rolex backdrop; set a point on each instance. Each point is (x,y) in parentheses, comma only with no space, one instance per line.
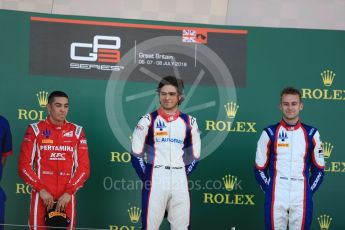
(233,77)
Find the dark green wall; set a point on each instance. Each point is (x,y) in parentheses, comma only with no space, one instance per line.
(275,58)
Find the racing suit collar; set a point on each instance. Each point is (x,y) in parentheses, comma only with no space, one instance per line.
(55,126)
(289,126)
(168,117)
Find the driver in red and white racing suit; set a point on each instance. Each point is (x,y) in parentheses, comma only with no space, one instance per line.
(54,160)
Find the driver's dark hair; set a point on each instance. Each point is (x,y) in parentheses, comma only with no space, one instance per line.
(55,94)
(174,81)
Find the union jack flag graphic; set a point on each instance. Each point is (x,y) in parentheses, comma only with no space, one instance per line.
(194,36)
(189,36)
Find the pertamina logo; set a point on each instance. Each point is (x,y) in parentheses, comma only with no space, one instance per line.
(232,196)
(134,217)
(231,109)
(326,93)
(324,222)
(100,54)
(34,114)
(332,166)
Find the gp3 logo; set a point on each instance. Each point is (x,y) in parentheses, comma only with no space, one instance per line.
(107,53)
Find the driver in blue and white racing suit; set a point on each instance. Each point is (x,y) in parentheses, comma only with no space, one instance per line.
(289,167)
(170,142)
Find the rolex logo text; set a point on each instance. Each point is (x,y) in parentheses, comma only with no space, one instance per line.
(33,114)
(231,109)
(326,93)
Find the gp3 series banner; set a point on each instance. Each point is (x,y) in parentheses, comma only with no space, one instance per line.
(96,49)
(124,53)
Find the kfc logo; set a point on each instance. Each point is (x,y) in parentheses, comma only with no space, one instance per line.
(57,157)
